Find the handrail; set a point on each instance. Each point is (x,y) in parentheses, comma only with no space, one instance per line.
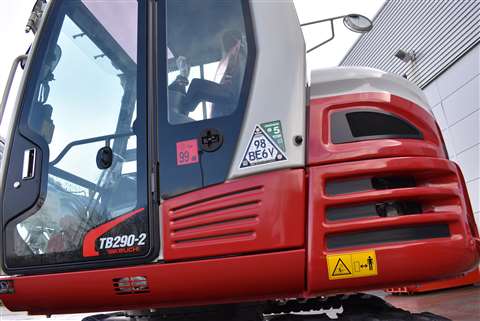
(9,83)
(87,141)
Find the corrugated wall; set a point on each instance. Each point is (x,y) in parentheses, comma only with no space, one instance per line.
(439,31)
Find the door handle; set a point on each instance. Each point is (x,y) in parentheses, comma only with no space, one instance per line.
(29,159)
(9,83)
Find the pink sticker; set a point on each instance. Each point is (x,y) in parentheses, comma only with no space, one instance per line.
(187,152)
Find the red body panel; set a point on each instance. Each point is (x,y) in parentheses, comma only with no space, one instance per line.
(268,232)
(260,213)
(469,278)
(322,151)
(443,201)
(254,277)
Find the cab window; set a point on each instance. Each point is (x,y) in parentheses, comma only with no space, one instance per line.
(207,55)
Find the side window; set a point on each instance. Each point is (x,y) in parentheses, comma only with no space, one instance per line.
(207,56)
(206,65)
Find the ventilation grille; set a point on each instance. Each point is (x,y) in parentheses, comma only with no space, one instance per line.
(220,219)
(390,200)
(131,285)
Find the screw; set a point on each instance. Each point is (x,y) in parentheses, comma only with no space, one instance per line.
(298,140)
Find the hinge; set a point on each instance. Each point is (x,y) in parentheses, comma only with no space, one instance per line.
(35,16)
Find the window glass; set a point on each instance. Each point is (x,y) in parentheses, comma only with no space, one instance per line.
(207,54)
(85,101)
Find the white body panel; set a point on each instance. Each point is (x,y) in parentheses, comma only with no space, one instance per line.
(348,80)
(278,84)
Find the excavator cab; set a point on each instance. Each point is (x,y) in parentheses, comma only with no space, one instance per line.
(173,154)
(82,151)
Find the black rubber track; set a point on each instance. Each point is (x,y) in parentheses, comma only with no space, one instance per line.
(356,307)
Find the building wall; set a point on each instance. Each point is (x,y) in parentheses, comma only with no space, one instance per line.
(439,31)
(446,39)
(455,100)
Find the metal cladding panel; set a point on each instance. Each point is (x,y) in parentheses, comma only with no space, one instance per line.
(278,85)
(257,213)
(322,149)
(337,81)
(265,276)
(439,32)
(442,225)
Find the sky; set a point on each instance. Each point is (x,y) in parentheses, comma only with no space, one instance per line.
(14,15)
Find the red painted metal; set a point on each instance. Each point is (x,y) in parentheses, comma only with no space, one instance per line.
(224,280)
(322,151)
(442,199)
(260,213)
(472,277)
(268,232)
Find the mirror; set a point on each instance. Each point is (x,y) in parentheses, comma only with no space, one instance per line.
(357,23)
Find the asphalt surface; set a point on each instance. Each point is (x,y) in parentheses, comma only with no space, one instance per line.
(461,304)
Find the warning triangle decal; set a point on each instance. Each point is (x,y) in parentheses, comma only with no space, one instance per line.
(261,150)
(341,269)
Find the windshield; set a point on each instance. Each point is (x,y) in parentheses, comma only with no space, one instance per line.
(84,106)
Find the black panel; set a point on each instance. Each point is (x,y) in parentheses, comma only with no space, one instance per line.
(388,236)
(349,212)
(338,187)
(380,209)
(390,182)
(348,186)
(359,125)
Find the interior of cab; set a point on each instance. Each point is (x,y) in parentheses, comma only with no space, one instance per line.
(206,59)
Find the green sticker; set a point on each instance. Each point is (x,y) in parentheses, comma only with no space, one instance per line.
(274,131)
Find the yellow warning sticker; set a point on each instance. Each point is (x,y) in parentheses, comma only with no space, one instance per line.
(352,265)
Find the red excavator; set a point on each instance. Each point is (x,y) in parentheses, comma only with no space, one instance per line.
(170,158)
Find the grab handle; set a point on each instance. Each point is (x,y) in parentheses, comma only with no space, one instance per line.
(8,86)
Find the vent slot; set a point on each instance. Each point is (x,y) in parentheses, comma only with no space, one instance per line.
(354,126)
(380,209)
(131,285)
(342,186)
(254,189)
(387,236)
(226,218)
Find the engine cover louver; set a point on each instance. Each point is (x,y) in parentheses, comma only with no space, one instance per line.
(257,213)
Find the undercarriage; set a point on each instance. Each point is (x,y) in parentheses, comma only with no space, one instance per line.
(352,307)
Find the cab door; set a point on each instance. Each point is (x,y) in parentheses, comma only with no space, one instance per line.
(203,88)
(76,194)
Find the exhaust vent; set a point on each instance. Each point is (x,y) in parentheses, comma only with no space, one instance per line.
(131,285)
